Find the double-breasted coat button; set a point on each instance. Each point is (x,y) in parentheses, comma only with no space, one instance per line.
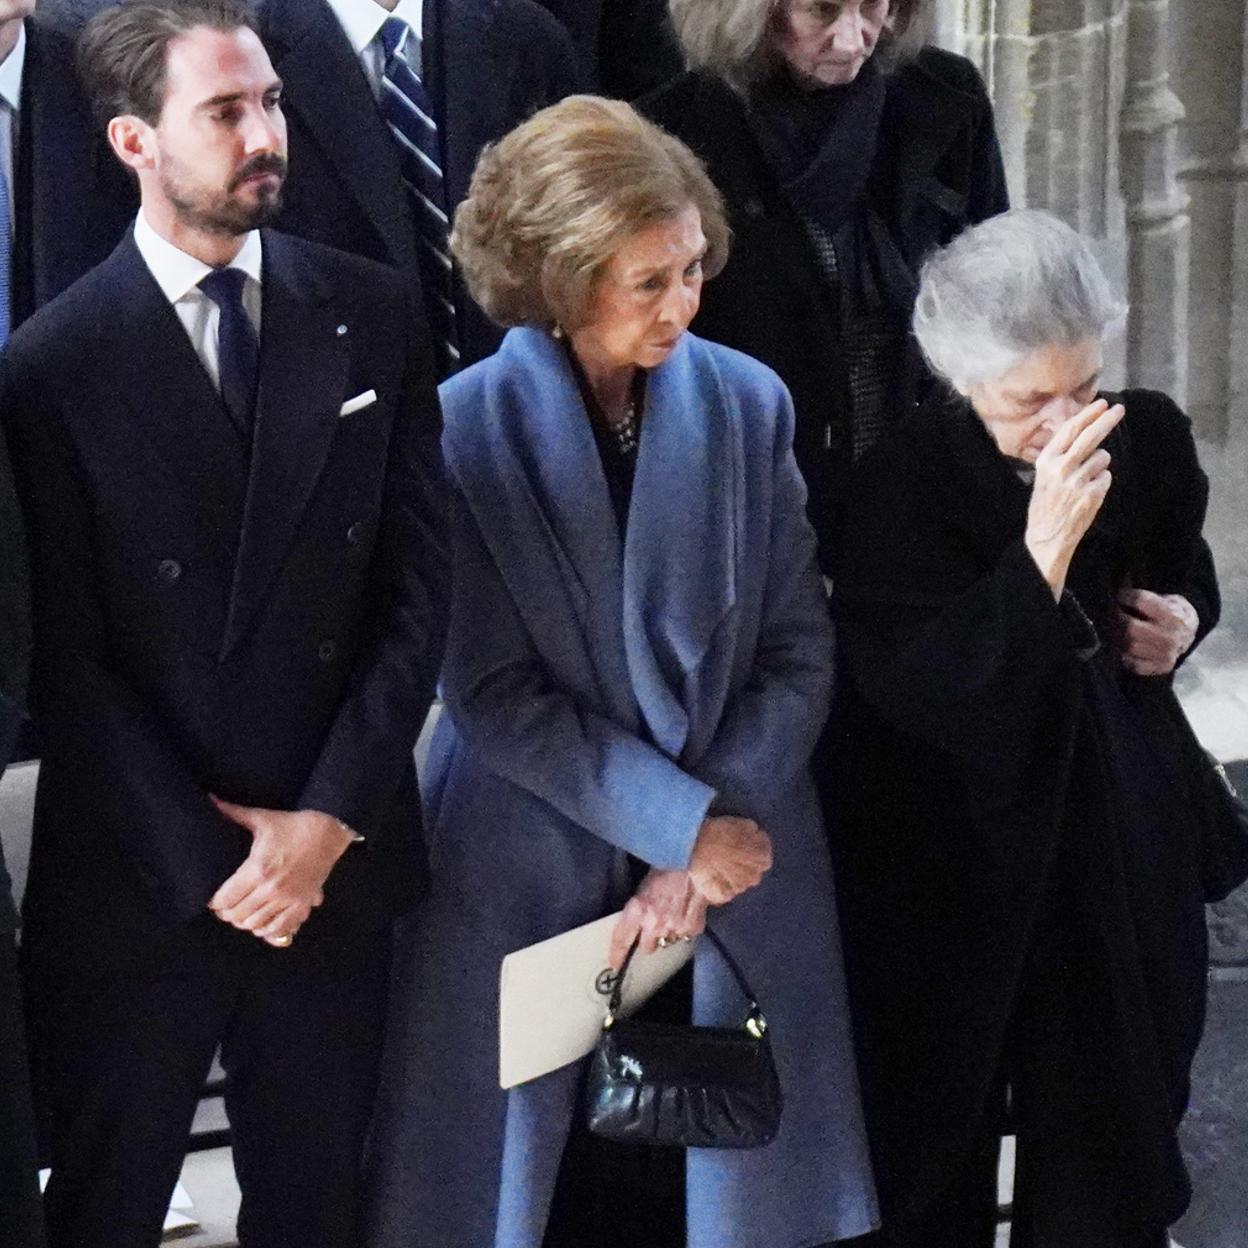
(169,570)
(327,650)
(355,534)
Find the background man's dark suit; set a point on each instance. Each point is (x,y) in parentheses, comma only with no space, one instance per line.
(626,47)
(489,64)
(72,199)
(269,633)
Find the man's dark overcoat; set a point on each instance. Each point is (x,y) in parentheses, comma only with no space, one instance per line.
(489,64)
(936,169)
(1019,864)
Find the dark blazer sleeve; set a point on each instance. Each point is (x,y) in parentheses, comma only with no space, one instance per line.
(14,601)
(182,848)
(14,643)
(369,745)
(1172,556)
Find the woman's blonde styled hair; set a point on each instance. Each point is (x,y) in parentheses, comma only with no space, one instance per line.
(731,39)
(553,201)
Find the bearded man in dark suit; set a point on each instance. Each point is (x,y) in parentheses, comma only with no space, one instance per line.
(226,444)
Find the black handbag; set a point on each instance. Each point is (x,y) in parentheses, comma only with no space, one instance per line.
(695,1087)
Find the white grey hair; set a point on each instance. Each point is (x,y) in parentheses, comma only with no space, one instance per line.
(731,39)
(1006,288)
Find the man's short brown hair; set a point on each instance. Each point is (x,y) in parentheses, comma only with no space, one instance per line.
(123,51)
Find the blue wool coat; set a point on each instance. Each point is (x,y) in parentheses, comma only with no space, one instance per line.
(602,698)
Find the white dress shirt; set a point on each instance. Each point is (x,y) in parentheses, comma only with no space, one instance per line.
(10,108)
(178,276)
(362,20)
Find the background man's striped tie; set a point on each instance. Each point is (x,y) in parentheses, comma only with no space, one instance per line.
(406,107)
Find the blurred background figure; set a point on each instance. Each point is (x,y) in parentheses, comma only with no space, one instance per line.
(1021,844)
(67,201)
(637,670)
(625,47)
(845,156)
(389,102)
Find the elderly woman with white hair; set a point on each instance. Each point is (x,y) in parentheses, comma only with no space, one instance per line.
(1022,854)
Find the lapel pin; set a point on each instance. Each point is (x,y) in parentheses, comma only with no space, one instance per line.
(342,329)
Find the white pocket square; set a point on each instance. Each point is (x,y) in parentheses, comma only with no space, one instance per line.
(360,400)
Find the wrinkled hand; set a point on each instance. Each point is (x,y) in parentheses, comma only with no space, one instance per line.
(276,888)
(1157,630)
(666,904)
(730,855)
(1072,479)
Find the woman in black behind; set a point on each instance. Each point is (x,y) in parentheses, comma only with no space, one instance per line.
(843,161)
(1021,848)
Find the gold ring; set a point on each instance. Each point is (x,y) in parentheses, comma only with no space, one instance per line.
(282,942)
(664,941)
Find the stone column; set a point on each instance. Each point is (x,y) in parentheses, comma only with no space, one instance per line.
(1210,67)
(1057,73)
(1158,229)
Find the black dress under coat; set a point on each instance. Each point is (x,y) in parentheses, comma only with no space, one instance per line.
(936,169)
(1018,861)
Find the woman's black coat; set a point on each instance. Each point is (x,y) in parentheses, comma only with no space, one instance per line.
(937,168)
(1020,872)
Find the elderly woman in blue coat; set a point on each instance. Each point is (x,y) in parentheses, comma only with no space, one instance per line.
(639,664)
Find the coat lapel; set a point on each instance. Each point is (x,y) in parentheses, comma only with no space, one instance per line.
(168,394)
(680,553)
(303,373)
(524,450)
(328,91)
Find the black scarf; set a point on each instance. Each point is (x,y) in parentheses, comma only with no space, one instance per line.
(821,144)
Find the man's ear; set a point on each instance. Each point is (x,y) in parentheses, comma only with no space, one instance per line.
(133,142)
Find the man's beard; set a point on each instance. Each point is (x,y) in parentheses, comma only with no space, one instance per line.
(219,212)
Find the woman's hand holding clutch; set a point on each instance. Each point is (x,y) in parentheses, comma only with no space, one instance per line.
(665,908)
(729,856)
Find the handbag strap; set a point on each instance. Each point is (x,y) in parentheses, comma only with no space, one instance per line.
(755,1023)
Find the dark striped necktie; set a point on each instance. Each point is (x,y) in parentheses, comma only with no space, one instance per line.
(406,107)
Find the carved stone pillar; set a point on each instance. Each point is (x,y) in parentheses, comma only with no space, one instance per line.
(1158,229)
(1210,70)
(1057,73)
